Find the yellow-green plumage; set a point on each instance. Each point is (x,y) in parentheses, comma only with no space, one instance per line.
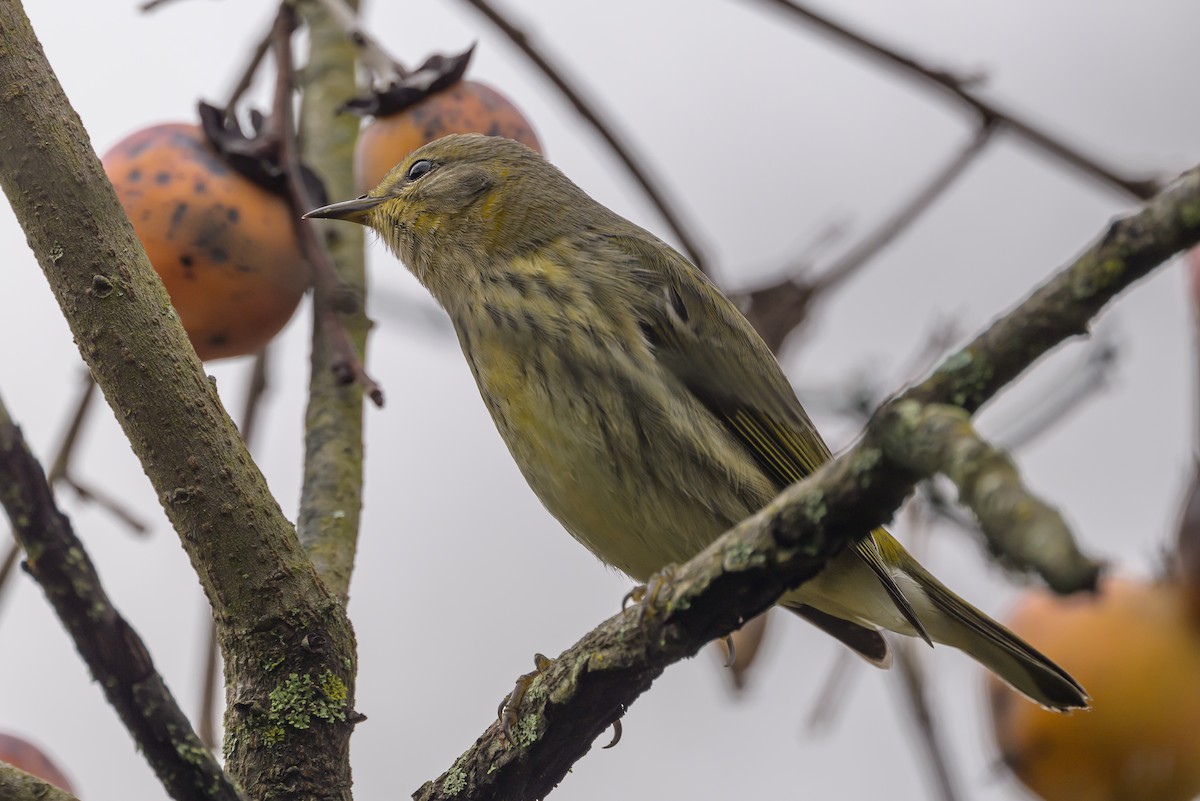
(638,402)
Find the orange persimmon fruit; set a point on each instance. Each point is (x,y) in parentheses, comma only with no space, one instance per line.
(1135,647)
(463,107)
(224,247)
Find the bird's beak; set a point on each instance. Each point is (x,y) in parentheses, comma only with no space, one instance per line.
(355,210)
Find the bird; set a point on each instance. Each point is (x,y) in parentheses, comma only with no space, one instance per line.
(640,405)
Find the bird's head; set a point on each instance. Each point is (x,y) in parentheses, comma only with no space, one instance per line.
(464,199)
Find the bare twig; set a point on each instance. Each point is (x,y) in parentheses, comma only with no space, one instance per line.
(1079,382)
(247,76)
(906,215)
(960,89)
(833,691)
(60,470)
(12,553)
(637,170)
(920,712)
(151,5)
(778,310)
(374,57)
(330,294)
(210,685)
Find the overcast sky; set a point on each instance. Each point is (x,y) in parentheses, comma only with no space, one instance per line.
(765,134)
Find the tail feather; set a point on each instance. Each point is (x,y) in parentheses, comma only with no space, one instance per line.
(1013,660)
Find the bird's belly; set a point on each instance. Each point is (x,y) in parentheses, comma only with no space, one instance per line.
(617,472)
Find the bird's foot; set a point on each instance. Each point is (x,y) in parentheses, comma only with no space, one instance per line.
(646,595)
(507,711)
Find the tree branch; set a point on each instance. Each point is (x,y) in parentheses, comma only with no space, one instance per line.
(115,654)
(959,88)
(790,540)
(17,785)
(778,310)
(269,605)
(331,499)
(638,171)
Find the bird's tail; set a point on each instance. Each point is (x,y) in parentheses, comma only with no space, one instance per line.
(1015,661)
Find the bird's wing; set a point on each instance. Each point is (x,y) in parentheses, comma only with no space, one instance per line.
(700,337)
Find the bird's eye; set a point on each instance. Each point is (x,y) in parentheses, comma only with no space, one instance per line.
(418,169)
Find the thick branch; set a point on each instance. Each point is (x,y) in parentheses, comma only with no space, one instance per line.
(113,651)
(1064,306)
(268,603)
(789,541)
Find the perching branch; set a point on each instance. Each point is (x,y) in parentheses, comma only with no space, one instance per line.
(749,567)
(17,785)
(115,654)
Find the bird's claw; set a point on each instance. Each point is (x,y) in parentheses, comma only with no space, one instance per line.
(507,711)
(646,595)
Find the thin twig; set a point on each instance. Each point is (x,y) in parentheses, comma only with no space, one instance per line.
(151,5)
(887,231)
(1076,384)
(638,171)
(833,692)
(920,712)
(330,294)
(778,310)
(247,76)
(959,88)
(60,470)
(11,556)
(372,54)
(62,460)
(206,727)
(256,390)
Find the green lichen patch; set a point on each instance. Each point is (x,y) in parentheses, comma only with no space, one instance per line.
(300,700)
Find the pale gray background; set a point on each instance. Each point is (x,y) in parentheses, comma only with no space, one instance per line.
(765,133)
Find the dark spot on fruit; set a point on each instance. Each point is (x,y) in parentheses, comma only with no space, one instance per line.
(494,129)
(233,215)
(186,260)
(244,268)
(135,174)
(176,218)
(135,149)
(200,187)
(217,340)
(219,255)
(162,178)
(146,214)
